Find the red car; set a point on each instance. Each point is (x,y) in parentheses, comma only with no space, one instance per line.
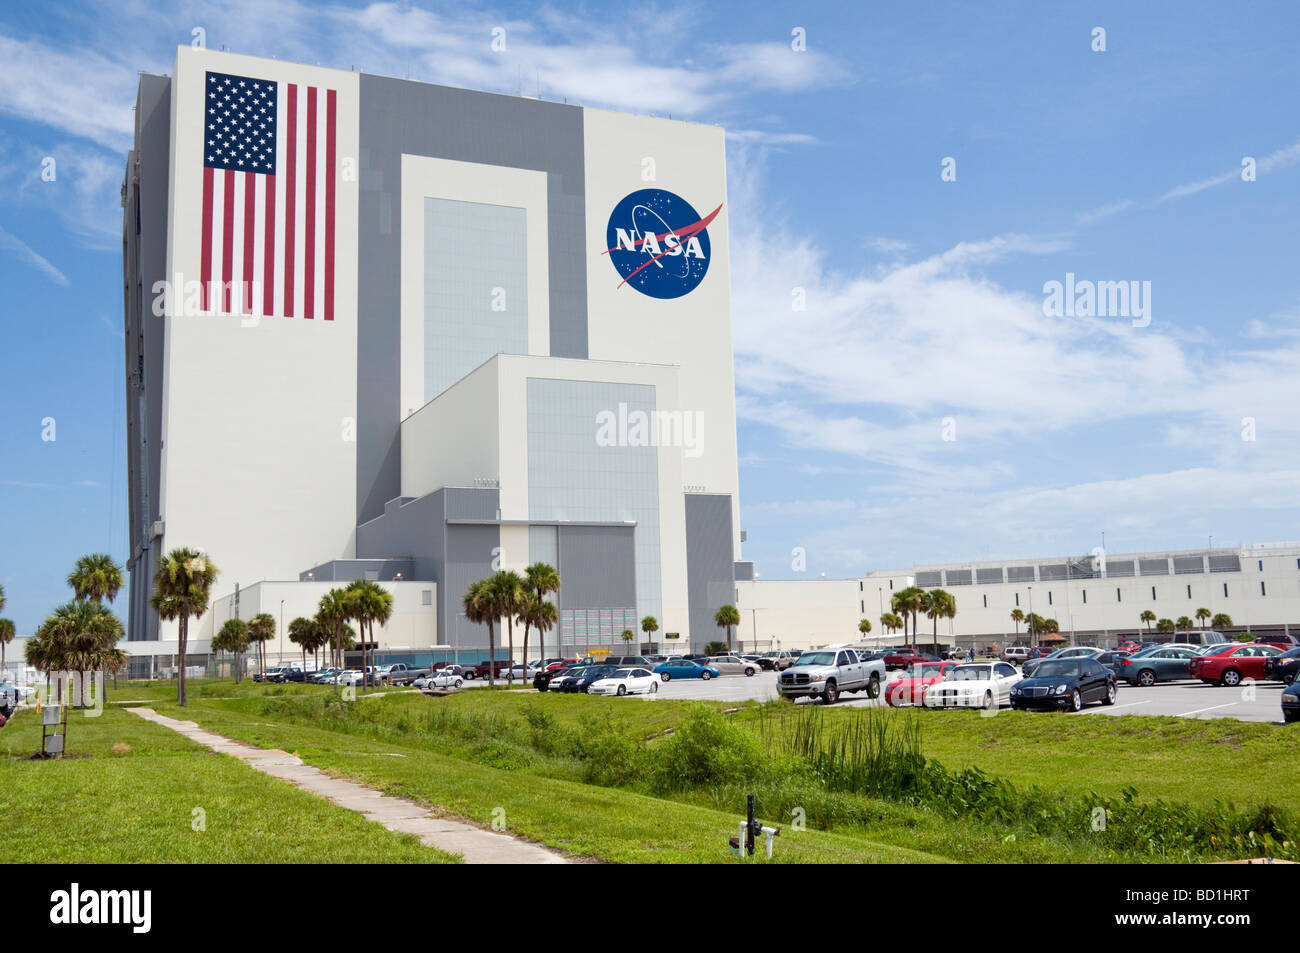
(1233,662)
(910,689)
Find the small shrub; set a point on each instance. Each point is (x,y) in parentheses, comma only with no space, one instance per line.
(707,751)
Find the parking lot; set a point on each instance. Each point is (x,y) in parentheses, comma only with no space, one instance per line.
(1183,699)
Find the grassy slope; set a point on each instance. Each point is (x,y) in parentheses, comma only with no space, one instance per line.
(137,807)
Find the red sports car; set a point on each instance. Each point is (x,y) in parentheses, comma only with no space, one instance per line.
(1233,662)
(910,689)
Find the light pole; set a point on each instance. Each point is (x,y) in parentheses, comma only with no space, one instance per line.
(282,632)
(1033,630)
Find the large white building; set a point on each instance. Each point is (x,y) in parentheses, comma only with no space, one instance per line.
(383,329)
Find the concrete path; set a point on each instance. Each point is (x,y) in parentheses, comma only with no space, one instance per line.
(474,844)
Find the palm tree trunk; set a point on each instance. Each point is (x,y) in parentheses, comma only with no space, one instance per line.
(510,626)
(492,656)
(526,627)
(182,632)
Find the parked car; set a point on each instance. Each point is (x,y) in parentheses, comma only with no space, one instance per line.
(543,678)
(326,675)
(910,689)
(1283,668)
(1073,651)
(1163,663)
(399,673)
(780,660)
(446,670)
(764,662)
(732,665)
(351,676)
(1130,646)
(1291,703)
(974,685)
(1112,659)
(9,698)
(1065,683)
(954,654)
(1231,663)
(1191,637)
(1016,653)
(282,673)
(1284,642)
(481,669)
(625,681)
(904,657)
(825,673)
(629,661)
(685,668)
(579,678)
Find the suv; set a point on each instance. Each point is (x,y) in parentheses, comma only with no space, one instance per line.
(1015,653)
(1193,637)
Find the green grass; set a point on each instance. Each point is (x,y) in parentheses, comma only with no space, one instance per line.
(138,807)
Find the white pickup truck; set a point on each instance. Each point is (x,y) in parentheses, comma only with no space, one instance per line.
(826,673)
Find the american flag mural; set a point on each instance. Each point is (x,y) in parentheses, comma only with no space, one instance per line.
(269,152)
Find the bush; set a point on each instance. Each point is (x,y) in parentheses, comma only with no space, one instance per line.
(708,750)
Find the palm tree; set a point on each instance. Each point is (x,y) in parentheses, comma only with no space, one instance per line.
(6,636)
(540,614)
(1017,616)
(650,625)
(182,586)
(333,613)
(1165,625)
(261,629)
(508,600)
(79,637)
(1202,615)
(906,602)
(478,603)
(234,637)
(938,604)
(1036,626)
(1221,621)
(1184,622)
(541,579)
(97,577)
(725,618)
(1148,617)
(302,633)
(628,635)
(864,626)
(371,603)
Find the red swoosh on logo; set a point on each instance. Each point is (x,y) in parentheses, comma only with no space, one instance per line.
(685,232)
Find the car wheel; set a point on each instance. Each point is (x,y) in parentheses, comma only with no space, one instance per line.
(1146,678)
(1290,716)
(458,683)
(749,673)
(622,690)
(873,687)
(989,702)
(1288,678)
(665,676)
(1076,700)
(832,693)
(706,675)
(654,688)
(1109,698)
(1231,678)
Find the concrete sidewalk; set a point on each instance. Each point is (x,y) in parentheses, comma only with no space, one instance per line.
(475,845)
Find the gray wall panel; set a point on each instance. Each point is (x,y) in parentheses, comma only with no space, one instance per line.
(710,566)
(399,116)
(597,566)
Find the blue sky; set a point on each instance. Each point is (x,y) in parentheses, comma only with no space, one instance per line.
(924,297)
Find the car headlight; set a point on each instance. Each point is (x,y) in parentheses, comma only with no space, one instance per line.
(1016,690)
(1061,689)
(816,678)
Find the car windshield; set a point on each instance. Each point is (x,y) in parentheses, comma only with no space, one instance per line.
(970,673)
(925,670)
(817,658)
(684,663)
(1057,668)
(620,673)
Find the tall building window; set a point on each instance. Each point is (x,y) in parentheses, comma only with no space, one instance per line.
(1189,592)
(1049,597)
(1225,590)
(986,602)
(1017,598)
(1085,597)
(1261,588)
(1153,593)
(1118,598)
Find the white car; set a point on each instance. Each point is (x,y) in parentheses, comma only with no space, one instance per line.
(350,676)
(443,678)
(625,681)
(974,685)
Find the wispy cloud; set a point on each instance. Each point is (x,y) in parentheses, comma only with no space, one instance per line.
(25,252)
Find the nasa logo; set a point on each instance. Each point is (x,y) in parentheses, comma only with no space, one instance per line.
(659,243)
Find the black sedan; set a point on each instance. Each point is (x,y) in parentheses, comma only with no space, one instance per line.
(1065,683)
(1283,668)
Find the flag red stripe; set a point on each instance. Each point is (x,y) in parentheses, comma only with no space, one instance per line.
(227,238)
(268,252)
(330,174)
(250,226)
(309,240)
(206,265)
(290,132)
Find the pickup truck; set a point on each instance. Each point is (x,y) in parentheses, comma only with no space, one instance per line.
(825,673)
(904,657)
(281,673)
(481,669)
(399,673)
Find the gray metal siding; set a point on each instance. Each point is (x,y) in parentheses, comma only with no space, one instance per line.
(598,567)
(710,567)
(469,555)
(399,116)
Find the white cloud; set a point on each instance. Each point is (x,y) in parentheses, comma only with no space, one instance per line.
(25,252)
